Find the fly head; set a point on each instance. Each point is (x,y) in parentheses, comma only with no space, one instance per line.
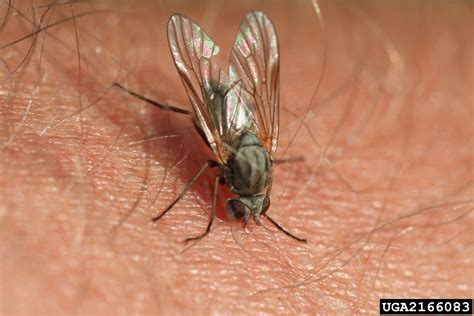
(245,207)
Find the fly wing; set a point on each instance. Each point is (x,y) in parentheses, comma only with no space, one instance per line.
(255,60)
(192,50)
(239,113)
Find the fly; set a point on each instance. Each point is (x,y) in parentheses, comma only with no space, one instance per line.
(235,112)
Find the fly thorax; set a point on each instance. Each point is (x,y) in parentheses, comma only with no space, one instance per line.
(248,172)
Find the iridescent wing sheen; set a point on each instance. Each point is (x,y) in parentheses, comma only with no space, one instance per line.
(192,50)
(255,60)
(225,108)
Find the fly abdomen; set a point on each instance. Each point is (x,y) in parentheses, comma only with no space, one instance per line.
(249,170)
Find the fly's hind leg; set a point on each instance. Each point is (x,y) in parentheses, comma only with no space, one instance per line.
(208,164)
(213,213)
(154,103)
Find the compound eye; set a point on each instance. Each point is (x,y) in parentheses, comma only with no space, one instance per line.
(265,204)
(236,208)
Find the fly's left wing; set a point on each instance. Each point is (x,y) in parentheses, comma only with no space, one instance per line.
(192,50)
(255,61)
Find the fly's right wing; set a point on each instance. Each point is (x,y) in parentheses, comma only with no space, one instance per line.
(192,50)
(255,60)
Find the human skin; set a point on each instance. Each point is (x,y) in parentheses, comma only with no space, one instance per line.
(384,194)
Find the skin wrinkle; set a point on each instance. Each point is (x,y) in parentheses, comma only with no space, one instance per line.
(383,210)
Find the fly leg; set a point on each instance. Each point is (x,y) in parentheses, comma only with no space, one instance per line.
(293,159)
(208,164)
(284,230)
(213,213)
(154,103)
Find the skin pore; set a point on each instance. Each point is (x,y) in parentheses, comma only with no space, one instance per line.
(384,194)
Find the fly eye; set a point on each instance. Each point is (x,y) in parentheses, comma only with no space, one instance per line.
(266,204)
(236,208)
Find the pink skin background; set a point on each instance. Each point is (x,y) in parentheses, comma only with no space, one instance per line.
(384,194)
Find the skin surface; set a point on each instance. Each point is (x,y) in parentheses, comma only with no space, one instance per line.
(384,194)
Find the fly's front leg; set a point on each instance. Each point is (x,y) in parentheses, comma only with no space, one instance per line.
(213,213)
(284,230)
(208,164)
